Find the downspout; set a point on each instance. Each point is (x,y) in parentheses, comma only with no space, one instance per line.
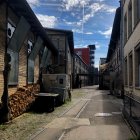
(121,47)
(7,67)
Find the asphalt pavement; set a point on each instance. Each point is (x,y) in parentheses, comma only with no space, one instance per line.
(97,116)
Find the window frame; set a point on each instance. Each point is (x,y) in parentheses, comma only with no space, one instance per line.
(130,69)
(125,71)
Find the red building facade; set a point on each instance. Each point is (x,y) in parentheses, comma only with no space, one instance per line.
(84,53)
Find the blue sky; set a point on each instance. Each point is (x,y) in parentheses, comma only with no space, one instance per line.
(90,20)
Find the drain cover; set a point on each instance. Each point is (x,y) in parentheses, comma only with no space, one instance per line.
(103,114)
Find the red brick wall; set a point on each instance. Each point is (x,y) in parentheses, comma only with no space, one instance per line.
(84,54)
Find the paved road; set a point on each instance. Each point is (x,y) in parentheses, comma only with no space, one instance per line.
(97,116)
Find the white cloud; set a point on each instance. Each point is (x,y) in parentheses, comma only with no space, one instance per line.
(81,32)
(96,65)
(69,4)
(109,9)
(98,7)
(97,44)
(73,23)
(77,31)
(47,21)
(99,0)
(33,3)
(106,33)
(80,46)
(88,33)
(93,8)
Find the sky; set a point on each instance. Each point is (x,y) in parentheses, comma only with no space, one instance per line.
(90,20)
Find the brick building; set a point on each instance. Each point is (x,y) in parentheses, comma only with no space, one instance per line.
(114,57)
(84,53)
(92,54)
(131,45)
(80,72)
(25,40)
(63,41)
(88,56)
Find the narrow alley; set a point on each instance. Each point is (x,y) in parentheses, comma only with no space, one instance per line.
(70,70)
(97,116)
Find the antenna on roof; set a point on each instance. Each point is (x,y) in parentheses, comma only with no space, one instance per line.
(83,23)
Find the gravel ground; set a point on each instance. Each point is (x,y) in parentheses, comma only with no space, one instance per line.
(30,123)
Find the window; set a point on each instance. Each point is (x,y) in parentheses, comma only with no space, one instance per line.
(123,1)
(30,71)
(137,67)
(30,63)
(130,70)
(61,81)
(13,75)
(136,11)
(125,28)
(10,30)
(79,53)
(130,18)
(125,71)
(30,46)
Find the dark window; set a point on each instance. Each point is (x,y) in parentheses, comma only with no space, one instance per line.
(10,29)
(125,28)
(125,71)
(130,18)
(30,46)
(136,11)
(13,75)
(130,70)
(137,67)
(60,81)
(30,71)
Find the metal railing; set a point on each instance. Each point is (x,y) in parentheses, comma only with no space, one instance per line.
(132,111)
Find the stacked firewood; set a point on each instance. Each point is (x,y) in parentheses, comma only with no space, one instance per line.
(21,101)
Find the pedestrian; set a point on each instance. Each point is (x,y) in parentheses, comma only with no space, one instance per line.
(80,83)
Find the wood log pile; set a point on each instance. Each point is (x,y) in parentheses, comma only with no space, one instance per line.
(21,101)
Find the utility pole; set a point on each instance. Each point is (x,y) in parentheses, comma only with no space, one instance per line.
(83,23)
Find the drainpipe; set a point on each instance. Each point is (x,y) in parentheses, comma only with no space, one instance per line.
(121,46)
